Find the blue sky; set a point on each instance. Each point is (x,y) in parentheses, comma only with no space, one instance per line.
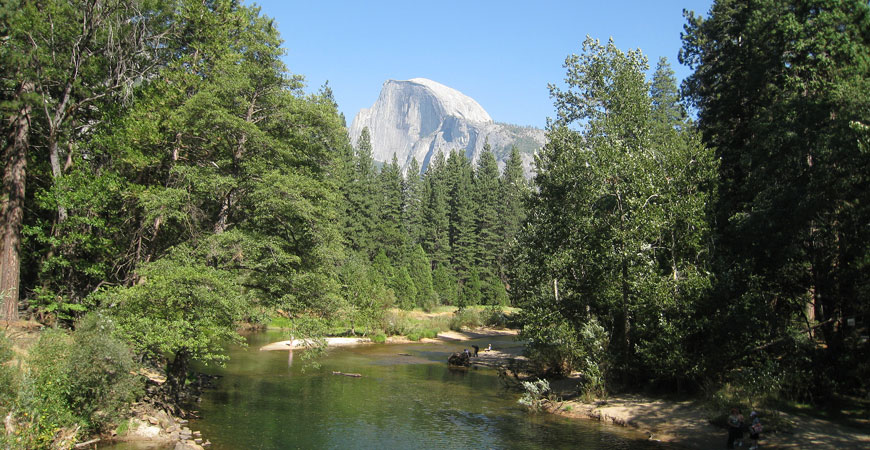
(501,53)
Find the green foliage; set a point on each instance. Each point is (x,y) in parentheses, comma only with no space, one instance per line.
(617,231)
(536,395)
(466,318)
(75,383)
(379,338)
(404,288)
(181,308)
(784,118)
(9,374)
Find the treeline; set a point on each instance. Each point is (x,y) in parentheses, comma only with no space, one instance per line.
(437,239)
(165,178)
(729,252)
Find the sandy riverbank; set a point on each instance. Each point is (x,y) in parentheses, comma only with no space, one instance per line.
(685,424)
(444,336)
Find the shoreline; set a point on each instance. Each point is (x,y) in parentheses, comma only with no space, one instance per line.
(686,424)
(444,336)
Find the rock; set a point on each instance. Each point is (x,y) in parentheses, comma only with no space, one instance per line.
(152,420)
(187,445)
(420,118)
(459,359)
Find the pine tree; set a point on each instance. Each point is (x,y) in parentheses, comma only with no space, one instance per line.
(488,243)
(436,215)
(513,191)
(462,210)
(420,269)
(413,204)
(390,234)
(362,212)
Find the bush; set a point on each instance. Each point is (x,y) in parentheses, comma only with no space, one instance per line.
(536,395)
(494,316)
(8,375)
(74,383)
(429,333)
(465,318)
(379,338)
(414,336)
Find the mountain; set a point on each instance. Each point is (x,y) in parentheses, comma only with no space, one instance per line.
(418,118)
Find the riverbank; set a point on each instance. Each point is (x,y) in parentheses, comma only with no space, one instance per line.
(686,423)
(444,336)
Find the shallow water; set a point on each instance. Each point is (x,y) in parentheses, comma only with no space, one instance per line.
(265,400)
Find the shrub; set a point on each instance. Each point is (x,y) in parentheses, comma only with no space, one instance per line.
(414,336)
(429,333)
(536,394)
(379,338)
(467,317)
(8,374)
(75,382)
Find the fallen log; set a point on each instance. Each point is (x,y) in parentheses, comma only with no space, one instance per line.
(354,375)
(85,444)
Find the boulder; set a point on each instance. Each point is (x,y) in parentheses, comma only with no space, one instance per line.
(459,359)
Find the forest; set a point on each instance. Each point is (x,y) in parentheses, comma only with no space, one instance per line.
(167,179)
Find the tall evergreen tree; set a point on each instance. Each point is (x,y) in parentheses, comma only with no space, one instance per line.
(458,175)
(362,212)
(436,240)
(390,234)
(779,87)
(488,242)
(413,204)
(513,190)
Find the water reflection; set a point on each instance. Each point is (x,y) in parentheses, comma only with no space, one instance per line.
(406,398)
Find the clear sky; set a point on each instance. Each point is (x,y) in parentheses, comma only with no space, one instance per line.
(500,53)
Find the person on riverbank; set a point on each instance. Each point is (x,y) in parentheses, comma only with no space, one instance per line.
(741,428)
(733,427)
(754,429)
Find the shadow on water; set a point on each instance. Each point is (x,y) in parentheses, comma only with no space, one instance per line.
(406,398)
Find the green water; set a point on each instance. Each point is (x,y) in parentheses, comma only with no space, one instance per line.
(265,400)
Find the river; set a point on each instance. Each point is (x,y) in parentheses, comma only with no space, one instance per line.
(407,398)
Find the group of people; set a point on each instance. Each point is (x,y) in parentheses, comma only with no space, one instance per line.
(737,426)
(476,350)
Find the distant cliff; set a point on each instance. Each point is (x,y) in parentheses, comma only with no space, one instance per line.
(418,118)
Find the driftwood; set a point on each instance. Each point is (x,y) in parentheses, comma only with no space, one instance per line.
(85,444)
(354,375)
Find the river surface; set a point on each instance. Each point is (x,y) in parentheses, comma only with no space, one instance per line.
(407,398)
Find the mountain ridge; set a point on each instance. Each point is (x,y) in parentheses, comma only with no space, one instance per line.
(419,118)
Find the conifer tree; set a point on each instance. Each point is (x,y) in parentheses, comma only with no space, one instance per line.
(436,216)
(413,204)
(362,212)
(462,210)
(488,242)
(390,234)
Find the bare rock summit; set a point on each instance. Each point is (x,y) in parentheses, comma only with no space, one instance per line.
(418,118)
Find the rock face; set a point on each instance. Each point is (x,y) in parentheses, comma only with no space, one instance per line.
(419,118)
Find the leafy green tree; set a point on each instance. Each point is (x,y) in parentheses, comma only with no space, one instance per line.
(779,88)
(182,310)
(610,232)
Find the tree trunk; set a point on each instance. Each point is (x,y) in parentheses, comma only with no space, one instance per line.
(12,210)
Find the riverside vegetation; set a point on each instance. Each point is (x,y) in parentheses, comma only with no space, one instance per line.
(165,179)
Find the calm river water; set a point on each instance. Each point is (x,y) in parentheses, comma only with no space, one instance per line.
(266,400)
